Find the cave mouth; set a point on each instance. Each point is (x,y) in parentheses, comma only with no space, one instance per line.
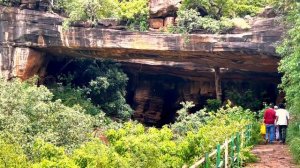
(155,97)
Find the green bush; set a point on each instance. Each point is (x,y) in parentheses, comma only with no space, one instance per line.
(213,104)
(71,96)
(101,87)
(90,10)
(11,154)
(46,155)
(133,12)
(54,135)
(293,139)
(245,98)
(289,49)
(190,20)
(228,8)
(28,112)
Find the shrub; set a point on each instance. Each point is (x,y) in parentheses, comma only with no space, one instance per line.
(188,122)
(53,135)
(135,12)
(229,8)
(28,112)
(213,104)
(71,96)
(96,154)
(289,49)
(190,20)
(11,154)
(46,155)
(246,98)
(90,10)
(101,87)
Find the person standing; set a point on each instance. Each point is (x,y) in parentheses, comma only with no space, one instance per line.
(282,119)
(269,120)
(276,125)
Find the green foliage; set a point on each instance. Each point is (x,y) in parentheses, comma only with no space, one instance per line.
(190,20)
(96,154)
(293,138)
(134,12)
(186,122)
(11,154)
(290,67)
(71,96)
(46,155)
(101,87)
(213,104)
(247,156)
(54,135)
(246,98)
(226,8)
(90,10)
(284,6)
(28,112)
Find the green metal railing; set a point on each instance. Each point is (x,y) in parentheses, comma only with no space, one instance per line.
(231,148)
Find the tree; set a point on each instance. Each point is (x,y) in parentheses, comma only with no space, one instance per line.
(103,83)
(290,67)
(90,10)
(290,62)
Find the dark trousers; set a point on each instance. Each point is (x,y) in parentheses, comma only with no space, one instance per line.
(282,133)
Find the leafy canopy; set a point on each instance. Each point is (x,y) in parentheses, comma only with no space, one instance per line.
(289,49)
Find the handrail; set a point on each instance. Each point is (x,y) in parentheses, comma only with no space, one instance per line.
(235,142)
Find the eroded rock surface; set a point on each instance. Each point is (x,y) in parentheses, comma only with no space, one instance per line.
(163,8)
(252,50)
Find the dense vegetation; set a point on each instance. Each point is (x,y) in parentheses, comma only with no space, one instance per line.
(133,12)
(290,67)
(98,86)
(37,131)
(218,16)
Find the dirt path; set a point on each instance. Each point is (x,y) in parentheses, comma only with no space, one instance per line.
(272,156)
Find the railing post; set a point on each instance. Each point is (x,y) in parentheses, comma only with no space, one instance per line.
(244,138)
(207,165)
(218,155)
(250,135)
(247,134)
(226,153)
(238,148)
(232,152)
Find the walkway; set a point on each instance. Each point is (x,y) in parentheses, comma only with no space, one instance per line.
(272,156)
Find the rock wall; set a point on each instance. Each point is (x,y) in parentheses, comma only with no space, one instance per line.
(156,98)
(27,37)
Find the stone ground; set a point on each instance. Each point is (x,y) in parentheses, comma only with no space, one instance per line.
(272,156)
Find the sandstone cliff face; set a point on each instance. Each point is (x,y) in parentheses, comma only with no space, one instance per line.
(250,51)
(27,37)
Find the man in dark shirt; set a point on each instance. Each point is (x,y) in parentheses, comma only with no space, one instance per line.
(269,120)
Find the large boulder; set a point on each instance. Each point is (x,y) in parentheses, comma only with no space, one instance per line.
(163,8)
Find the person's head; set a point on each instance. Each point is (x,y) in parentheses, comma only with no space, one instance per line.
(275,107)
(271,105)
(281,105)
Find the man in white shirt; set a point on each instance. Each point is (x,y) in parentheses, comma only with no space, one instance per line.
(282,119)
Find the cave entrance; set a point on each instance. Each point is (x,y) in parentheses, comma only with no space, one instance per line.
(155,97)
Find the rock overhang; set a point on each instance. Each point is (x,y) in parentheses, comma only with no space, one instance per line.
(250,51)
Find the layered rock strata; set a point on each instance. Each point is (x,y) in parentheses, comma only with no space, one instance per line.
(27,37)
